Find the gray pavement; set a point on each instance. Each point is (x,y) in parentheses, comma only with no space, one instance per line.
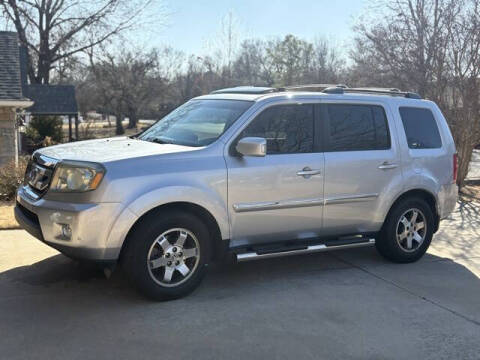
(340,305)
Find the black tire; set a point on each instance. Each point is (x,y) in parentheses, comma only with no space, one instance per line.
(387,244)
(140,241)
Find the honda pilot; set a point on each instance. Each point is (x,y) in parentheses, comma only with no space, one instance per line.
(248,173)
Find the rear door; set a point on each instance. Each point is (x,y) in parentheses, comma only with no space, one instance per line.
(362,166)
(279,196)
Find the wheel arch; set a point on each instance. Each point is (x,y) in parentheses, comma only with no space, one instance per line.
(423,194)
(189,207)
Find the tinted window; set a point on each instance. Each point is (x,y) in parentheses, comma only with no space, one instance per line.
(287,128)
(356,127)
(421,128)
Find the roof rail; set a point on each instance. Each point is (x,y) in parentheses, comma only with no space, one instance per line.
(259,90)
(325,88)
(246,90)
(313,86)
(379,91)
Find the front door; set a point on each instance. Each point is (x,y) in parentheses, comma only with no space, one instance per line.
(279,196)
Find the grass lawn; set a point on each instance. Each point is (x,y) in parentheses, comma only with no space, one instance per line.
(7,220)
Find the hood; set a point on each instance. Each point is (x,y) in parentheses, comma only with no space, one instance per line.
(111,149)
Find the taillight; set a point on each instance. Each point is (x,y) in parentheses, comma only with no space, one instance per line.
(455,167)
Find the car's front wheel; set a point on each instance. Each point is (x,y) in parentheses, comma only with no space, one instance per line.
(167,254)
(407,232)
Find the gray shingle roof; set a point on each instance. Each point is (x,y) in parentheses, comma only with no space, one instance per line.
(10,84)
(51,99)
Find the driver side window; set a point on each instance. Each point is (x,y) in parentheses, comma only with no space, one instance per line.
(288,129)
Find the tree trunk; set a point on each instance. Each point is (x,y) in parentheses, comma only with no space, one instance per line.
(464,150)
(132,120)
(119,129)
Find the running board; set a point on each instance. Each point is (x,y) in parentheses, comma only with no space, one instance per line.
(248,256)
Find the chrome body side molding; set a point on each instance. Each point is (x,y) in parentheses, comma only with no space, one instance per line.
(274,205)
(349,199)
(287,204)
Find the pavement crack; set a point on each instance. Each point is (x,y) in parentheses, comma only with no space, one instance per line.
(456,313)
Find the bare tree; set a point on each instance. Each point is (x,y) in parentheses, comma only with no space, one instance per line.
(251,66)
(328,64)
(127,84)
(229,41)
(106,87)
(408,45)
(462,98)
(431,47)
(292,59)
(54,30)
(140,82)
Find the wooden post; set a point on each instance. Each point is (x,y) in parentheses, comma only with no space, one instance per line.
(15,130)
(69,128)
(76,127)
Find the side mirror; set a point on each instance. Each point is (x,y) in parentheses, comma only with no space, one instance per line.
(252,146)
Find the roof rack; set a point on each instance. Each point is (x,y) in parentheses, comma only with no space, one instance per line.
(259,90)
(325,88)
(379,91)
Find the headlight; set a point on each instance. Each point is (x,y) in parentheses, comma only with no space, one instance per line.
(77,176)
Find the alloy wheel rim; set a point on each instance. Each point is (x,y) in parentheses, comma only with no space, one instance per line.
(173,257)
(411,230)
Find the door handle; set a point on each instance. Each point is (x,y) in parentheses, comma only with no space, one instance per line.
(386,166)
(307,172)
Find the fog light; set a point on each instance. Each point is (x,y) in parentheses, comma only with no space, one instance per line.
(66,231)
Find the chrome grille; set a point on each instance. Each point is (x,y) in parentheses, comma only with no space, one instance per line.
(38,177)
(39,173)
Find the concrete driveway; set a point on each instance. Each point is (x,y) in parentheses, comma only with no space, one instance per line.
(340,305)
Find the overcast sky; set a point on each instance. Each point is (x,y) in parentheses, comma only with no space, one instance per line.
(192,26)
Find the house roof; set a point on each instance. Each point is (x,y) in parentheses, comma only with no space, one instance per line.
(51,99)
(10,80)
(48,99)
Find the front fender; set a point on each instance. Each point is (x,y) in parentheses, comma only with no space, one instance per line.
(162,196)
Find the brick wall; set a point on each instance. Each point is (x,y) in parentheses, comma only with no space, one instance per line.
(7,135)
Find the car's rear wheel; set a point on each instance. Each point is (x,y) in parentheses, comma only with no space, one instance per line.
(167,254)
(407,232)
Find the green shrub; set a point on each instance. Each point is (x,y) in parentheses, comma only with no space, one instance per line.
(11,177)
(40,127)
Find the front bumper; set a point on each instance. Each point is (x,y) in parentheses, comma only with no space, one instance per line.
(90,225)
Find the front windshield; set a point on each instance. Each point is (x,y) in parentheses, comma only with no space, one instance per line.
(196,123)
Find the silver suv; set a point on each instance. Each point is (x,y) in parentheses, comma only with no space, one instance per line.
(248,173)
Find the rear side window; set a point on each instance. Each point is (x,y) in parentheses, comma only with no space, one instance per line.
(420,128)
(352,127)
(287,128)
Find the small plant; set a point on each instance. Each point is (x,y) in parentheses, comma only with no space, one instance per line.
(87,130)
(11,177)
(42,126)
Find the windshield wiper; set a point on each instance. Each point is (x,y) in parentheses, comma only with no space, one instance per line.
(162,141)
